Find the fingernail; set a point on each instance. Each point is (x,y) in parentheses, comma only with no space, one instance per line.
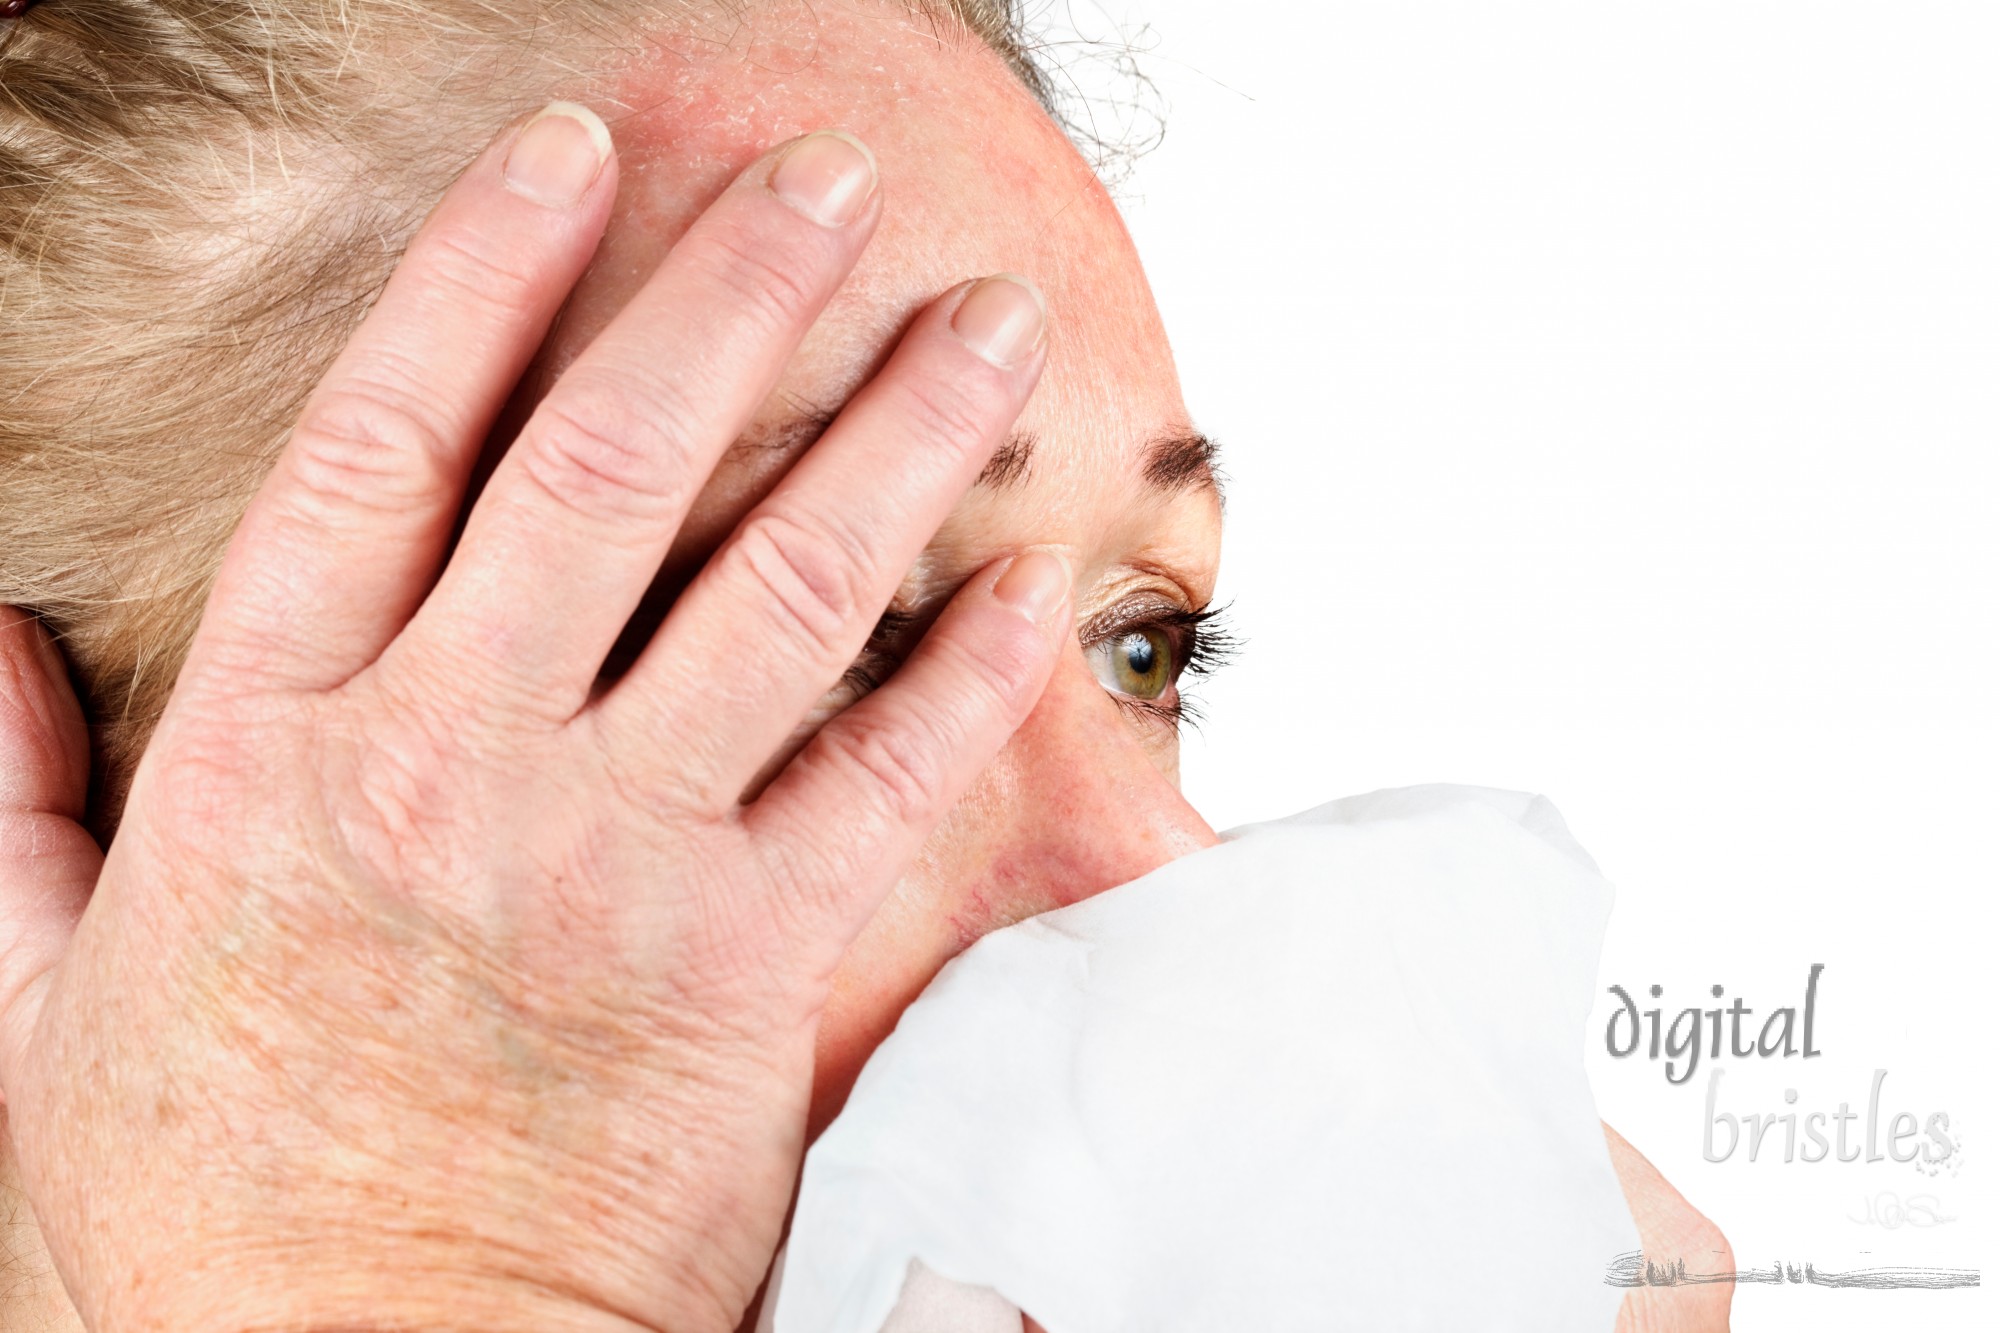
(1035,584)
(558,155)
(827,176)
(1002,319)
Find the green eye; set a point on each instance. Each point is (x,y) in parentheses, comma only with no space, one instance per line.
(1138,662)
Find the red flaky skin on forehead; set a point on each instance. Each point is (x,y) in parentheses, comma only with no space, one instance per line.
(976,179)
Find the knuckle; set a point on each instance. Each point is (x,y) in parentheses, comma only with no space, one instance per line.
(814,877)
(482,692)
(990,673)
(900,762)
(799,863)
(399,816)
(471,268)
(602,454)
(945,409)
(756,277)
(811,576)
(212,774)
(370,440)
(655,795)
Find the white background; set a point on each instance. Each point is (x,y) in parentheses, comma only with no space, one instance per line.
(1611,397)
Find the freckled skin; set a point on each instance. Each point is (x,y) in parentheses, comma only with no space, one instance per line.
(976,179)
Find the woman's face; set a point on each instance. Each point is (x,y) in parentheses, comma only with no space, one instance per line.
(1104,466)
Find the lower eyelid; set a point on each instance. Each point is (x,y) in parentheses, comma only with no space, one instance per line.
(1166,710)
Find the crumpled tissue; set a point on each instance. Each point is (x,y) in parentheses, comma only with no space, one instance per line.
(1325,1075)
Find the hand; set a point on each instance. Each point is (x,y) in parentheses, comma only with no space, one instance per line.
(426,984)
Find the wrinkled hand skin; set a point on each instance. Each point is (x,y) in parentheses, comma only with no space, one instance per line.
(426,985)
(535,1061)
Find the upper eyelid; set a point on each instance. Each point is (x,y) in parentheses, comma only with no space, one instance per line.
(874,663)
(1185,591)
(891,631)
(880,653)
(890,626)
(1136,610)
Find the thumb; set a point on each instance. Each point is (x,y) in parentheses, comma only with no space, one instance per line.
(48,861)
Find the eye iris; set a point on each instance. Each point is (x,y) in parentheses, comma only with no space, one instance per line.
(1142,659)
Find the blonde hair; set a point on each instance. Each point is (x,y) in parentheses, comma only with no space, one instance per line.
(198,199)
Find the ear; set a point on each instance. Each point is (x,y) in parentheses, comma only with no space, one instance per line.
(44,746)
(48,861)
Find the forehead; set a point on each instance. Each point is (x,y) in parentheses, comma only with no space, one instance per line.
(975,179)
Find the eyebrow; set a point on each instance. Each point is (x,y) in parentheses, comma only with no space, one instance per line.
(1174,462)
(787,438)
(1184,460)
(1009,464)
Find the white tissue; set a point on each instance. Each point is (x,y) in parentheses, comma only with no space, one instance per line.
(1326,1075)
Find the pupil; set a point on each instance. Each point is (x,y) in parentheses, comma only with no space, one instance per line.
(1139,654)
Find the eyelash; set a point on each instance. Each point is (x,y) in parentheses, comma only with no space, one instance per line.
(1203,643)
(879,657)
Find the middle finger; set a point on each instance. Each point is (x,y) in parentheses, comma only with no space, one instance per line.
(578,516)
(779,613)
